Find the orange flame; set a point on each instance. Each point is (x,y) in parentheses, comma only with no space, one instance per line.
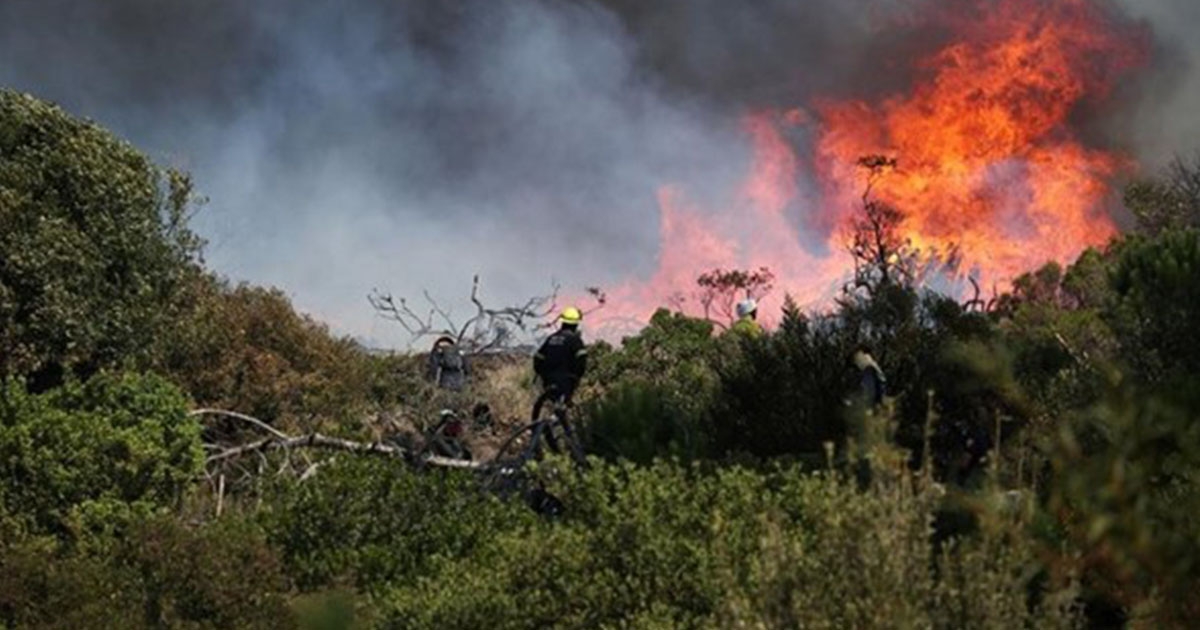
(988,161)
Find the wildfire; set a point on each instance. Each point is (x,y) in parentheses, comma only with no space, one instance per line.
(989,163)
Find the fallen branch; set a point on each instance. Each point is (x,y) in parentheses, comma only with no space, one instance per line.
(312,440)
(279,440)
(239,416)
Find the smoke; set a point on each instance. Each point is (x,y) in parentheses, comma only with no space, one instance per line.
(354,144)
(1161,106)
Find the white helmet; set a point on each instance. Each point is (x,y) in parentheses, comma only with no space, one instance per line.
(746,307)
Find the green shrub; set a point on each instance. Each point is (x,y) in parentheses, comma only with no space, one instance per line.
(1126,490)
(673,546)
(158,574)
(87,456)
(374,522)
(636,422)
(94,243)
(782,394)
(653,394)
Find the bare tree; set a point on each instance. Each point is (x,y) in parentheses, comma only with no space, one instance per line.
(485,329)
(720,290)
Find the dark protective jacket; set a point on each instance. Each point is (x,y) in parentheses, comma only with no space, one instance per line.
(562,360)
(873,385)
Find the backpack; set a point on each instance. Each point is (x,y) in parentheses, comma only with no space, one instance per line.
(450,359)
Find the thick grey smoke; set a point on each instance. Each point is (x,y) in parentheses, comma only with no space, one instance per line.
(368,143)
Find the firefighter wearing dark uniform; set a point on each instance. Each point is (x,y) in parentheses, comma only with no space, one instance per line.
(562,359)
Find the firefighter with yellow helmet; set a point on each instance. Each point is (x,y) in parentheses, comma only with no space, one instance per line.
(562,359)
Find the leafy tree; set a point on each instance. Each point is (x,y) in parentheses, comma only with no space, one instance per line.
(1158,284)
(93,245)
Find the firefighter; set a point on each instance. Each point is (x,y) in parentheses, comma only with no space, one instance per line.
(872,382)
(448,367)
(747,322)
(562,360)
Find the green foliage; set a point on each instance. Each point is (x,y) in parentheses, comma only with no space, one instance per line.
(159,574)
(1158,284)
(673,546)
(375,523)
(634,421)
(1103,356)
(89,456)
(654,394)
(782,395)
(1086,374)
(93,245)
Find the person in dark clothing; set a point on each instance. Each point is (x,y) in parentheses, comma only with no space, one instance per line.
(448,366)
(872,382)
(562,359)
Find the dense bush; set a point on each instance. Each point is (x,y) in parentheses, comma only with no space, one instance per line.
(635,421)
(374,523)
(654,394)
(673,546)
(159,574)
(93,245)
(88,456)
(1127,491)
(783,394)
(245,348)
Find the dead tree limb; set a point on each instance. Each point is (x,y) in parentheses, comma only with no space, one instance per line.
(278,440)
(239,416)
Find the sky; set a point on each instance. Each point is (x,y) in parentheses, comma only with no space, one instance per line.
(358,144)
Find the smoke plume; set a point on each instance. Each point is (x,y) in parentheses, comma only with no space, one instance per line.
(346,145)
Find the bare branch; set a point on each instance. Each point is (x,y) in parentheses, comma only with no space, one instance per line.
(278,440)
(486,330)
(317,440)
(975,302)
(312,440)
(239,416)
(438,309)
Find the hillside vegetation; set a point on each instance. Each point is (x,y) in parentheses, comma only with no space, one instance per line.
(1035,463)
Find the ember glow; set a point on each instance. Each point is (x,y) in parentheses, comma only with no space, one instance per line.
(989,162)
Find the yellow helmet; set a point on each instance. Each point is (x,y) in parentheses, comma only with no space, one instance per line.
(570,315)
